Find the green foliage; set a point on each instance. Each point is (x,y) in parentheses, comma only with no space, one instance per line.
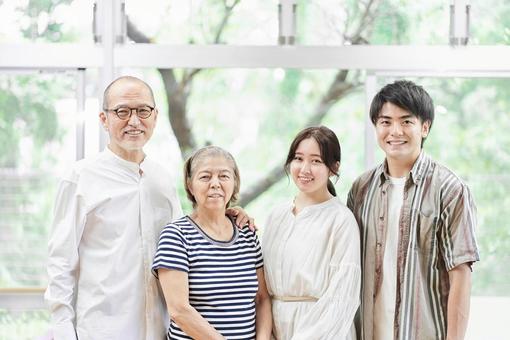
(23,326)
(42,25)
(26,111)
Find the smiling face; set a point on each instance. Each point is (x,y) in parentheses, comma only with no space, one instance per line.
(212,182)
(128,137)
(308,170)
(400,133)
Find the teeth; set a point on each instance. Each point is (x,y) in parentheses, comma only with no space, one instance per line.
(134,132)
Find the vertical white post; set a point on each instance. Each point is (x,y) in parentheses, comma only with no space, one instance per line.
(80,113)
(370,142)
(109,29)
(459,22)
(287,22)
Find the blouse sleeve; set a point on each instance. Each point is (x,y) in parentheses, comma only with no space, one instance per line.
(172,251)
(332,315)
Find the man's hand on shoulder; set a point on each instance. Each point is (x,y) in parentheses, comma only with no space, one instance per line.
(241,218)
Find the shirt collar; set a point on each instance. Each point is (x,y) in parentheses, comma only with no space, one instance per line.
(417,171)
(131,166)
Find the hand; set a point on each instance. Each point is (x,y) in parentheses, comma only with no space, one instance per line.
(241,218)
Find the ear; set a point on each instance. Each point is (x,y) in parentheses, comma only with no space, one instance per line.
(336,167)
(188,185)
(155,114)
(104,120)
(425,128)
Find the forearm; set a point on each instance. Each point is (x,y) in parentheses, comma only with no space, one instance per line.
(458,302)
(193,324)
(264,319)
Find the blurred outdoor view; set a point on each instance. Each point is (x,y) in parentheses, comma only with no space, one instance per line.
(254,113)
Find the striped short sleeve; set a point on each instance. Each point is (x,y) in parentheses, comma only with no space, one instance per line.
(458,222)
(172,250)
(258,252)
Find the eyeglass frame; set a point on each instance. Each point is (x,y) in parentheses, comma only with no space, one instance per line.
(131,111)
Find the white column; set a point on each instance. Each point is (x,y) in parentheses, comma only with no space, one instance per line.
(370,142)
(80,113)
(459,22)
(109,29)
(287,22)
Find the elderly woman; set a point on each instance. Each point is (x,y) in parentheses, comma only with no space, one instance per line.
(210,271)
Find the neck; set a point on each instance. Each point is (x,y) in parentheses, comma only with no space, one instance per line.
(303,200)
(214,223)
(212,218)
(135,156)
(400,167)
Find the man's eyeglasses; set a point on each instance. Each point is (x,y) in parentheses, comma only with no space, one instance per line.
(124,113)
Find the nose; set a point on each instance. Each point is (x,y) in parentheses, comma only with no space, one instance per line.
(396,129)
(134,120)
(215,182)
(305,167)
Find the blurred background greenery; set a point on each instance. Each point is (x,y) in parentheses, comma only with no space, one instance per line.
(254,113)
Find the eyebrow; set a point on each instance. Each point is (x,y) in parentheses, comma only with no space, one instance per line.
(313,154)
(211,171)
(401,117)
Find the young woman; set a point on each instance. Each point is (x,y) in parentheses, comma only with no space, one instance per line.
(210,271)
(311,247)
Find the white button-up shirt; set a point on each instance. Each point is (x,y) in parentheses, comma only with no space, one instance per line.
(107,219)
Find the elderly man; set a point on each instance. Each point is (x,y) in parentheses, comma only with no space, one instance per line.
(108,215)
(417,221)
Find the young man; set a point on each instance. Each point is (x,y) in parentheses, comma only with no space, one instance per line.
(417,221)
(108,215)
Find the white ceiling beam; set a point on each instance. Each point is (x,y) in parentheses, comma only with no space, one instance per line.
(425,59)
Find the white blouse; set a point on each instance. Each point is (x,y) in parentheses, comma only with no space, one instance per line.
(312,268)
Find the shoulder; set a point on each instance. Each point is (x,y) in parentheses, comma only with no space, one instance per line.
(367,177)
(75,171)
(280,209)
(447,180)
(277,215)
(343,215)
(247,234)
(363,181)
(180,227)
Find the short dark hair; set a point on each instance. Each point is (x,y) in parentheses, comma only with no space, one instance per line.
(329,146)
(205,152)
(106,93)
(406,95)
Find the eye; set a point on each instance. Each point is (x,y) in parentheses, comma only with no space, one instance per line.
(225,176)
(317,161)
(123,112)
(297,158)
(144,111)
(204,177)
(384,122)
(408,122)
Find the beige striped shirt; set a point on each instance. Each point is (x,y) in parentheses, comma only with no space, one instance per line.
(436,234)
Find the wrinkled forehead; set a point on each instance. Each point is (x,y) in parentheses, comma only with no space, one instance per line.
(211,162)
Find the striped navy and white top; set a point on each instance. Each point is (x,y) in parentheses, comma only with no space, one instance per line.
(222,275)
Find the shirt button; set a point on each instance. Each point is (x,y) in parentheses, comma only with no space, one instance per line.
(384,192)
(381,218)
(379,244)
